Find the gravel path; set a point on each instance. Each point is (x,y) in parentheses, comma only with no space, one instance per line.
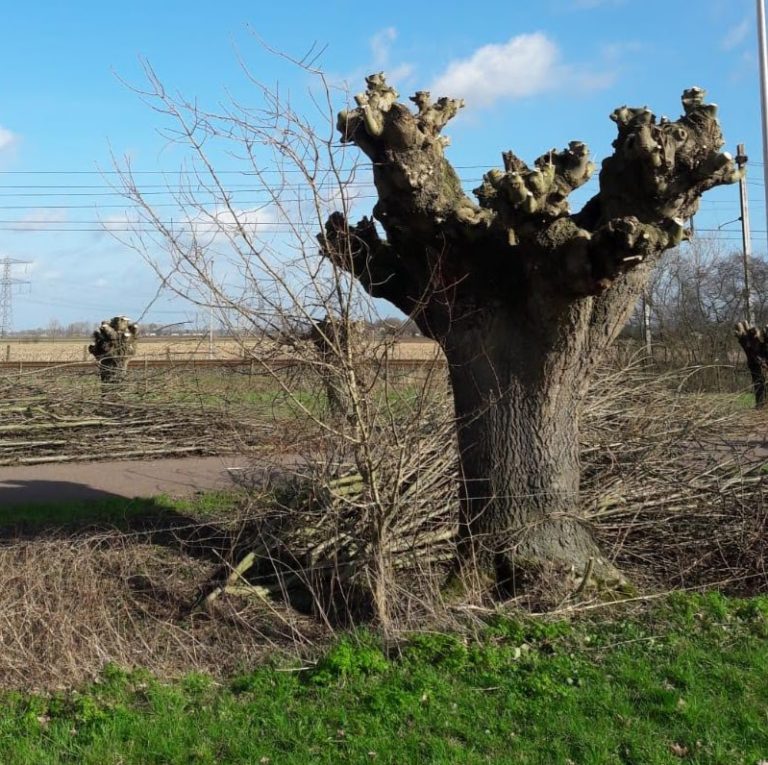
(97,480)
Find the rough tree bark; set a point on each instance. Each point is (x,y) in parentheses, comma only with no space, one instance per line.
(522,295)
(114,342)
(754,343)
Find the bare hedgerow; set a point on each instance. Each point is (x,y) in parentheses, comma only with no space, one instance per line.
(671,485)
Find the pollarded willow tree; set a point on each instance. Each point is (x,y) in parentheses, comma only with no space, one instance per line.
(522,295)
(114,343)
(754,343)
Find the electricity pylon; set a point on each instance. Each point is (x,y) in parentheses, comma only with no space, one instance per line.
(7,283)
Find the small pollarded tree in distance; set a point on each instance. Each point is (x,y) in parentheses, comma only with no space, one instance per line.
(114,342)
(522,295)
(754,343)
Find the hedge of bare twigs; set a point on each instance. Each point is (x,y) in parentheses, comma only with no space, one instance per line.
(672,483)
(675,484)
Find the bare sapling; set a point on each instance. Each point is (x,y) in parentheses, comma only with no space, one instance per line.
(299,318)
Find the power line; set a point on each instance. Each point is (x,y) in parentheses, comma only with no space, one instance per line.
(271,229)
(179,172)
(169,192)
(104,190)
(96,307)
(132,205)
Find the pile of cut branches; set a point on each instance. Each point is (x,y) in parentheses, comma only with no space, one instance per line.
(329,530)
(672,484)
(39,424)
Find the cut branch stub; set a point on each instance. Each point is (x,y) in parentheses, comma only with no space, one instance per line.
(754,343)
(360,251)
(520,237)
(114,342)
(406,150)
(521,195)
(659,171)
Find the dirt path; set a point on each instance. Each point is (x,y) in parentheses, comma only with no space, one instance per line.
(94,480)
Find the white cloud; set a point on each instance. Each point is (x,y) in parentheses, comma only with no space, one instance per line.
(381,44)
(523,66)
(736,35)
(381,50)
(232,220)
(7,138)
(39,220)
(222,224)
(204,225)
(120,222)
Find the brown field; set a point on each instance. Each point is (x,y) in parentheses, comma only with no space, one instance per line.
(172,348)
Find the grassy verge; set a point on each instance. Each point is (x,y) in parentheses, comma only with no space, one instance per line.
(113,511)
(684,682)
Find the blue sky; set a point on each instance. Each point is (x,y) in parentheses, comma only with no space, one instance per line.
(534,76)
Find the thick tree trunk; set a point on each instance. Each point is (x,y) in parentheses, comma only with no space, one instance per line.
(517,413)
(113,370)
(757,372)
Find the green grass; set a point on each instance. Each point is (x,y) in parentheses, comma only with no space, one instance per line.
(685,682)
(744,400)
(732,402)
(115,511)
(220,390)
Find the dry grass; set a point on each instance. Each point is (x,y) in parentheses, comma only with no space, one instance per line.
(175,349)
(69,604)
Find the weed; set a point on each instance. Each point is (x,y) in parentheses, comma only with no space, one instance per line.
(448,652)
(351,658)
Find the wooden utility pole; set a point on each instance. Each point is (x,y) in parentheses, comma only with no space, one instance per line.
(762,50)
(746,237)
(647,326)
